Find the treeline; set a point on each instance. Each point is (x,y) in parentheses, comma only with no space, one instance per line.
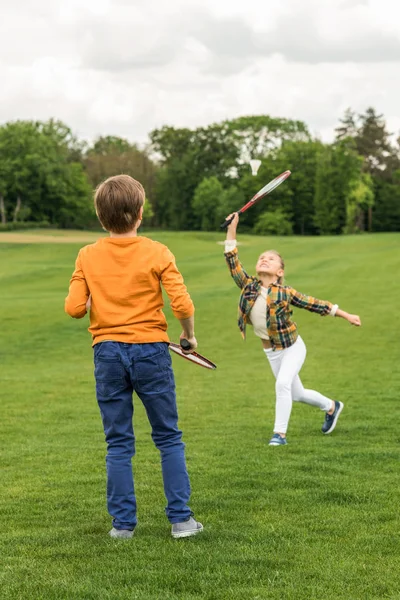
(194,178)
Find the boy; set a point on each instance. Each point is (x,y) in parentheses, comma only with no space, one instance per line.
(120,279)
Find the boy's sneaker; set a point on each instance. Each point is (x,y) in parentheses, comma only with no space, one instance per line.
(331,420)
(277,440)
(123,534)
(186,529)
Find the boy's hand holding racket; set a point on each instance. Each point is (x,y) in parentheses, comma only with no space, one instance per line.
(186,349)
(188,344)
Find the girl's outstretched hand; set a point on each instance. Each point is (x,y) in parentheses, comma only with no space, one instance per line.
(354,320)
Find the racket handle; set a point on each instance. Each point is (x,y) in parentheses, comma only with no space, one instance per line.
(226,223)
(185,344)
(229,221)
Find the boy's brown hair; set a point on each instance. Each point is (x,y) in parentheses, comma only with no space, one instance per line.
(118,201)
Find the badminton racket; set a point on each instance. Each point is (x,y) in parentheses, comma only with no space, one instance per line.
(267,189)
(193,357)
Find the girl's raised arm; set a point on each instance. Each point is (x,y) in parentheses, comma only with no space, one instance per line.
(240,277)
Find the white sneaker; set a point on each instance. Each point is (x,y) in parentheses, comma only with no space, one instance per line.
(186,529)
(123,534)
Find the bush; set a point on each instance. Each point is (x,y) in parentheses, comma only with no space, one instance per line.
(273,223)
(148,212)
(205,201)
(26,225)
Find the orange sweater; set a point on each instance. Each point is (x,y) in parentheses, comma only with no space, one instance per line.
(124,277)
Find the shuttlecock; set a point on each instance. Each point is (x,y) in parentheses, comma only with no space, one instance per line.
(255,165)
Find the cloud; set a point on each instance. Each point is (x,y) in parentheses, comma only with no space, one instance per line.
(299,37)
(346,36)
(124,68)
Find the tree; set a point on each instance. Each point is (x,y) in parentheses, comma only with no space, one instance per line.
(382,156)
(387,204)
(359,199)
(206,198)
(257,136)
(212,203)
(3,189)
(338,171)
(110,144)
(301,158)
(187,157)
(219,150)
(69,194)
(194,178)
(39,177)
(373,141)
(348,126)
(274,222)
(62,136)
(112,155)
(22,160)
(173,197)
(169,143)
(231,200)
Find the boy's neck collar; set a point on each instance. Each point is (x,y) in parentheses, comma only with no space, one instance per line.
(129,234)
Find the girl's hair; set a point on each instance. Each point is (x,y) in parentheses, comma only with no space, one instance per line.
(280,279)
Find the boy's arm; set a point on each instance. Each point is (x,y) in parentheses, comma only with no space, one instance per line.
(181,303)
(240,277)
(78,295)
(188,331)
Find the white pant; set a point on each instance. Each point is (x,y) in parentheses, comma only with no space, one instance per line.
(286,365)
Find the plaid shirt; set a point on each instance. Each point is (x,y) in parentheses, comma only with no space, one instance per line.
(282,331)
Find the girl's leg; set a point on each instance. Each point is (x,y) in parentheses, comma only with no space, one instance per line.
(300,394)
(275,361)
(285,365)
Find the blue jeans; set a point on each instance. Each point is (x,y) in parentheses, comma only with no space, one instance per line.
(120,370)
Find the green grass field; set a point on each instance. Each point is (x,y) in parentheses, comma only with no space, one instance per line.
(318,519)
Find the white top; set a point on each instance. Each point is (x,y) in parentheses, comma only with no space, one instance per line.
(258,314)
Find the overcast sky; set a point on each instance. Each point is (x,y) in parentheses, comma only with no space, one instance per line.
(124,67)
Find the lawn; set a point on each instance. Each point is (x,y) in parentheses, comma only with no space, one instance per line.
(316,520)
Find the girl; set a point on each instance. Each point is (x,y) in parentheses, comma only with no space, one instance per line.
(265,304)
